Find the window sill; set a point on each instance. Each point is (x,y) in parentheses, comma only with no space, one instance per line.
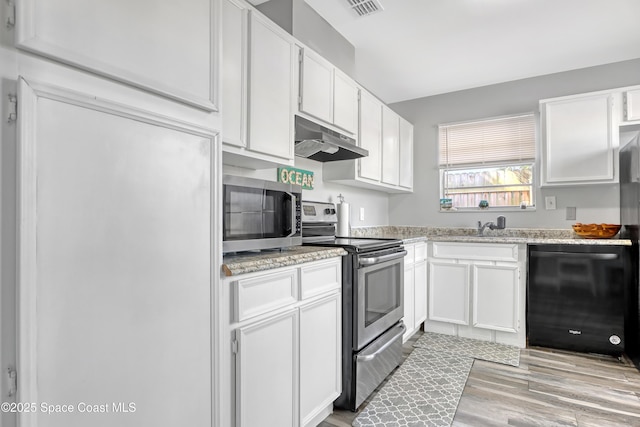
(490,209)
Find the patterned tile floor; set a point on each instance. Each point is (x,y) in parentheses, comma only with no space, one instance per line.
(426,388)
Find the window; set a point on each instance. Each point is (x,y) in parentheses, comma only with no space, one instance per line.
(488,160)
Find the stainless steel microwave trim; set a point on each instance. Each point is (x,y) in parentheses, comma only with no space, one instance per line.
(316,142)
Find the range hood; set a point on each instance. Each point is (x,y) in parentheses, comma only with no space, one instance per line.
(317,142)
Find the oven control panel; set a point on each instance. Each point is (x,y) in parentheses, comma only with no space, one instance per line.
(319,212)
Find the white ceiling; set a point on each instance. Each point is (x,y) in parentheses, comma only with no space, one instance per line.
(416,48)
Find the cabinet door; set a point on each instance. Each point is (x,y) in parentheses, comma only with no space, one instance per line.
(406,154)
(370,136)
(271,83)
(345,102)
(632,101)
(320,355)
(390,146)
(316,86)
(420,292)
(266,367)
(409,315)
(449,292)
(115,274)
(578,140)
(234,73)
(496,297)
(179,42)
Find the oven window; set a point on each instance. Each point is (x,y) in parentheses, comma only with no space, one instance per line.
(382,292)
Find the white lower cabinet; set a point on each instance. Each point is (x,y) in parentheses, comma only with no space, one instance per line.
(285,345)
(477,290)
(320,373)
(266,371)
(415,287)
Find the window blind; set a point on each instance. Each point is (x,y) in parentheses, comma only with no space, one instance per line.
(485,142)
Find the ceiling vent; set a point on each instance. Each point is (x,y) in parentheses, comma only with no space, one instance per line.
(365,7)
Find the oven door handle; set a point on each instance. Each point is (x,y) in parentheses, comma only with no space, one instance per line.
(293,214)
(363,262)
(368,357)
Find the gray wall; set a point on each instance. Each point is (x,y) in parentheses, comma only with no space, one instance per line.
(299,19)
(594,203)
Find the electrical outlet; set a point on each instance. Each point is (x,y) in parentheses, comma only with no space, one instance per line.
(550,203)
(571,213)
(361,214)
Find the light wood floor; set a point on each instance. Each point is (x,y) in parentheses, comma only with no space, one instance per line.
(549,388)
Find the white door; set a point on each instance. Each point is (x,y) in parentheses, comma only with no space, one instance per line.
(409,313)
(632,100)
(406,154)
(449,292)
(578,143)
(234,73)
(345,102)
(320,355)
(316,86)
(420,291)
(170,48)
(390,146)
(496,297)
(271,84)
(116,249)
(266,372)
(370,136)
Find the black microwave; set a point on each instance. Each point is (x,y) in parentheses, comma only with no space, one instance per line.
(260,214)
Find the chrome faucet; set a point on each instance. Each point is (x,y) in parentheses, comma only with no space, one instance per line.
(501,224)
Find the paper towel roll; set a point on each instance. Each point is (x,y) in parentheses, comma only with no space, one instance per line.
(343,220)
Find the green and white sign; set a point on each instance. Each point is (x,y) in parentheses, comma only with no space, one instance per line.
(296,176)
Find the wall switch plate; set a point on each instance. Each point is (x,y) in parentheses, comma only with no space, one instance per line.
(571,213)
(550,203)
(361,214)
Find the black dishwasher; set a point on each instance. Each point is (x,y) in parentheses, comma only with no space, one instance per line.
(577,297)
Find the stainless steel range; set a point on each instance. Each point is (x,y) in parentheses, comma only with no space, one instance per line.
(372,309)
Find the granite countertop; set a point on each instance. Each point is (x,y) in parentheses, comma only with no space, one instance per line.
(250,262)
(409,234)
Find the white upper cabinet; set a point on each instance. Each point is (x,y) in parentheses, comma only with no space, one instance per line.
(258,89)
(370,136)
(326,93)
(632,105)
(316,86)
(390,146)
(406,154)
(345,102)
(271,89)
(389,140)
(168,48)
(234,73)
(579,138)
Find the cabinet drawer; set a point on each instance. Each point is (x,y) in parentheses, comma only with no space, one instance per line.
(258,295)
(421,252)
(476,251)
(321,277)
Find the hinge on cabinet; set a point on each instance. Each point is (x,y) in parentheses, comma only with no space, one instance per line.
(300,55)
(299,100)
(12,382)
(13,108)
(11,14)
(234,347)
